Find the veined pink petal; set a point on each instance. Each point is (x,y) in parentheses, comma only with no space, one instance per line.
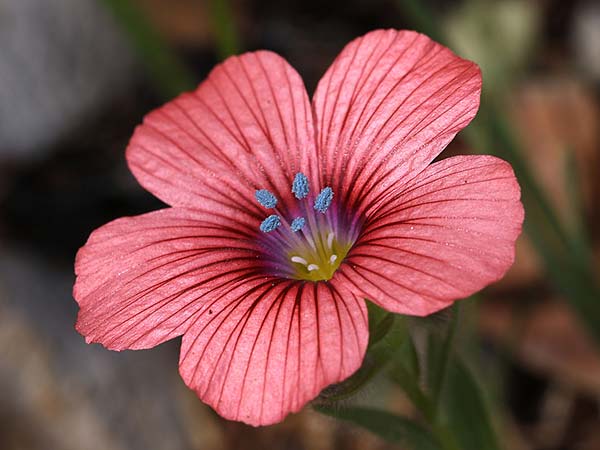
(270,346)
(140,280)
(389,104)
(248,126)
(450,232)
(221,270)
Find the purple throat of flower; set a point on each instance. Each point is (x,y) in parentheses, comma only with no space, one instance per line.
(311,240)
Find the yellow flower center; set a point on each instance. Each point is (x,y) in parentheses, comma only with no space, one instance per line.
(319,258)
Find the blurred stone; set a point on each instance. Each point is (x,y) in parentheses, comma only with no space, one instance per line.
(592,439)
(33,398)
(554,117)
(550,341)
(60,60)
(70,395)
(585,39)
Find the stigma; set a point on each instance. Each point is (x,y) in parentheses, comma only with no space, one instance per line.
(318,263)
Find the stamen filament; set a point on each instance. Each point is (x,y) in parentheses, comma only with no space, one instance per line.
(310,242)
(330,237)
(299,260)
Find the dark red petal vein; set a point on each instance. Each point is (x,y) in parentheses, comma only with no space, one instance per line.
(388,105)
(141,279)
(449,233)
(277,345)
(246,127)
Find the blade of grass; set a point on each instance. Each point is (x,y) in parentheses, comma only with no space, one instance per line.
(465,410)
(391,427)
(439,369)
(406,374)
(576,208)
(224,28)
(380,323)
(410,385)
(167,71)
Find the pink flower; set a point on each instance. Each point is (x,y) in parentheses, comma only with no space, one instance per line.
(285,215)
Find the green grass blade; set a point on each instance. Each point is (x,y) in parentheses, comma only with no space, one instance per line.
(167,71)
(465,411)
(224,28)
(391,427)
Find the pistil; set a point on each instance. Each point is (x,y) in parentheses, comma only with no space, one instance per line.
(310,242)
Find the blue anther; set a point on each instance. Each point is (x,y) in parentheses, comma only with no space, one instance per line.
(297,224)
(270,223)
(324,199)
(265,198)
(300,186)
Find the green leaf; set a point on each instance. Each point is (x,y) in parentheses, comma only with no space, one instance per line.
(465,411)
(391,427)
(386,335)
(372,364)
(439,354)
(408,357)
(410,386)
(380,323)
(405,373)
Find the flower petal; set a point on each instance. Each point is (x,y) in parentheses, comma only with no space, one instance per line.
(388,105)
(450,232)
(268,347)
(140,280)
(248,126)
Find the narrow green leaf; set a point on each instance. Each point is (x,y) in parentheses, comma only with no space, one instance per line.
(224,28)
(386,336)
(576,207)
(408,357)
(465,411)
(380,323)
(422,19)
(405,372)
(439,352)
(373,363)
(391,427)
(167,71)
(410,385)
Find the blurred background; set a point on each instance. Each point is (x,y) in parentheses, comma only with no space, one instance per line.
(76,76)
